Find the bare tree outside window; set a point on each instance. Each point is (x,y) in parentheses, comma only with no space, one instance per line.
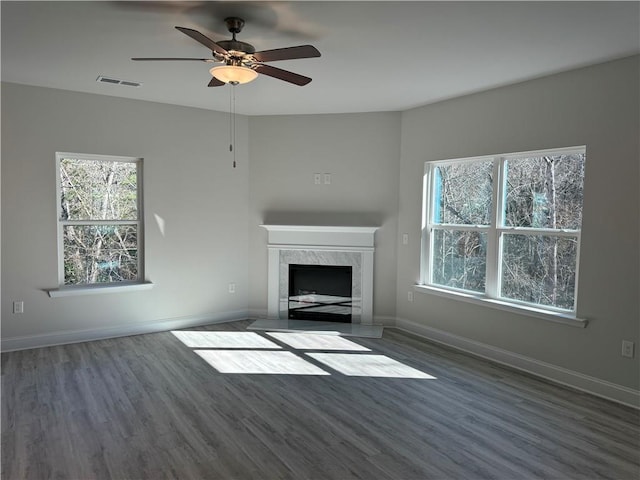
(506,227)
(99,220)
(543,195)
(462,198)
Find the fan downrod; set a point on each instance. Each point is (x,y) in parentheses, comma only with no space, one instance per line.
(238,48)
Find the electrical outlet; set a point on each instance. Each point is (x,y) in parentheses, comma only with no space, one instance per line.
(18,307)
(405,238)
(627,348)
(232,288)
(410,296)
(317,178)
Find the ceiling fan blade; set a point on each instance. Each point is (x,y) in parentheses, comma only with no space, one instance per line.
(215,82)
(147,59)
(206,41)
(281,74)
(289,53)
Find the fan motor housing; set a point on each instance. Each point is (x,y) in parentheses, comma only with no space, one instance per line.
(237,46)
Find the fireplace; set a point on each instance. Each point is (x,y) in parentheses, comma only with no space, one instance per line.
(320,292)
(321,246)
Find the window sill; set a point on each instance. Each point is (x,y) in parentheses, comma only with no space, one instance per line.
(71,291)
(566,319)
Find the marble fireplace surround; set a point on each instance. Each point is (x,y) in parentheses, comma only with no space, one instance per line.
(320,245)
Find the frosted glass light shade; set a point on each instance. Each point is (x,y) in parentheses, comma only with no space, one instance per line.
(233,74)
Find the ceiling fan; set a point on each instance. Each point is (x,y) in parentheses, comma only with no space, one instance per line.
(241,62)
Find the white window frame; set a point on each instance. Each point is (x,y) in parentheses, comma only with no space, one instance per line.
(137,284)
(495,231)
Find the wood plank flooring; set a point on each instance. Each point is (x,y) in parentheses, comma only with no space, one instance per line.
(152,407)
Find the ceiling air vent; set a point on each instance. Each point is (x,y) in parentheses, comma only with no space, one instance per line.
(117,81)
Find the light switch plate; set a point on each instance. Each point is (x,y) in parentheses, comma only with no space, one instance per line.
(627,348)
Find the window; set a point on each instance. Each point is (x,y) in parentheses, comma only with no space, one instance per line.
(505,227)
(99,219)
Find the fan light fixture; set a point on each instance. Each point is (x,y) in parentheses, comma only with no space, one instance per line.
(233,74)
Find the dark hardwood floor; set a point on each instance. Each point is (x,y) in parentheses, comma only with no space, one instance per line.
(151,407)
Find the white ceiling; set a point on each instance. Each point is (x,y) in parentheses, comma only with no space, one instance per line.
(376,56)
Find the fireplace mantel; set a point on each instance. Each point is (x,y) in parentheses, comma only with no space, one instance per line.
(321,235)
(321,244)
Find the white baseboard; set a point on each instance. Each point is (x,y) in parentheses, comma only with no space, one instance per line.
(570,378)
(257,313)
(384,320)
(75,336)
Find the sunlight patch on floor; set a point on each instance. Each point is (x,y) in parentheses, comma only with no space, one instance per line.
(209,339)
(355,365)
(242,352)
(258,362)
(311,341)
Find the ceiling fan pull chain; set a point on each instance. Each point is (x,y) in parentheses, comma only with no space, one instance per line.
(230,122)
(233,96)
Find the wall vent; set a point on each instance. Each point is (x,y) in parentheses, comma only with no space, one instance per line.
(117,81)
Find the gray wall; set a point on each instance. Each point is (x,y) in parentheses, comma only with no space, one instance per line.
(597,107)
(188,181)
(212,211)
(361,151)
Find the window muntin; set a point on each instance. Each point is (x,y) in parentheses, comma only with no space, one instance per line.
(525,248)
(99,219)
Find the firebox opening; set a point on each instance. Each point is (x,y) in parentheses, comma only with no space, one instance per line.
(320,292)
